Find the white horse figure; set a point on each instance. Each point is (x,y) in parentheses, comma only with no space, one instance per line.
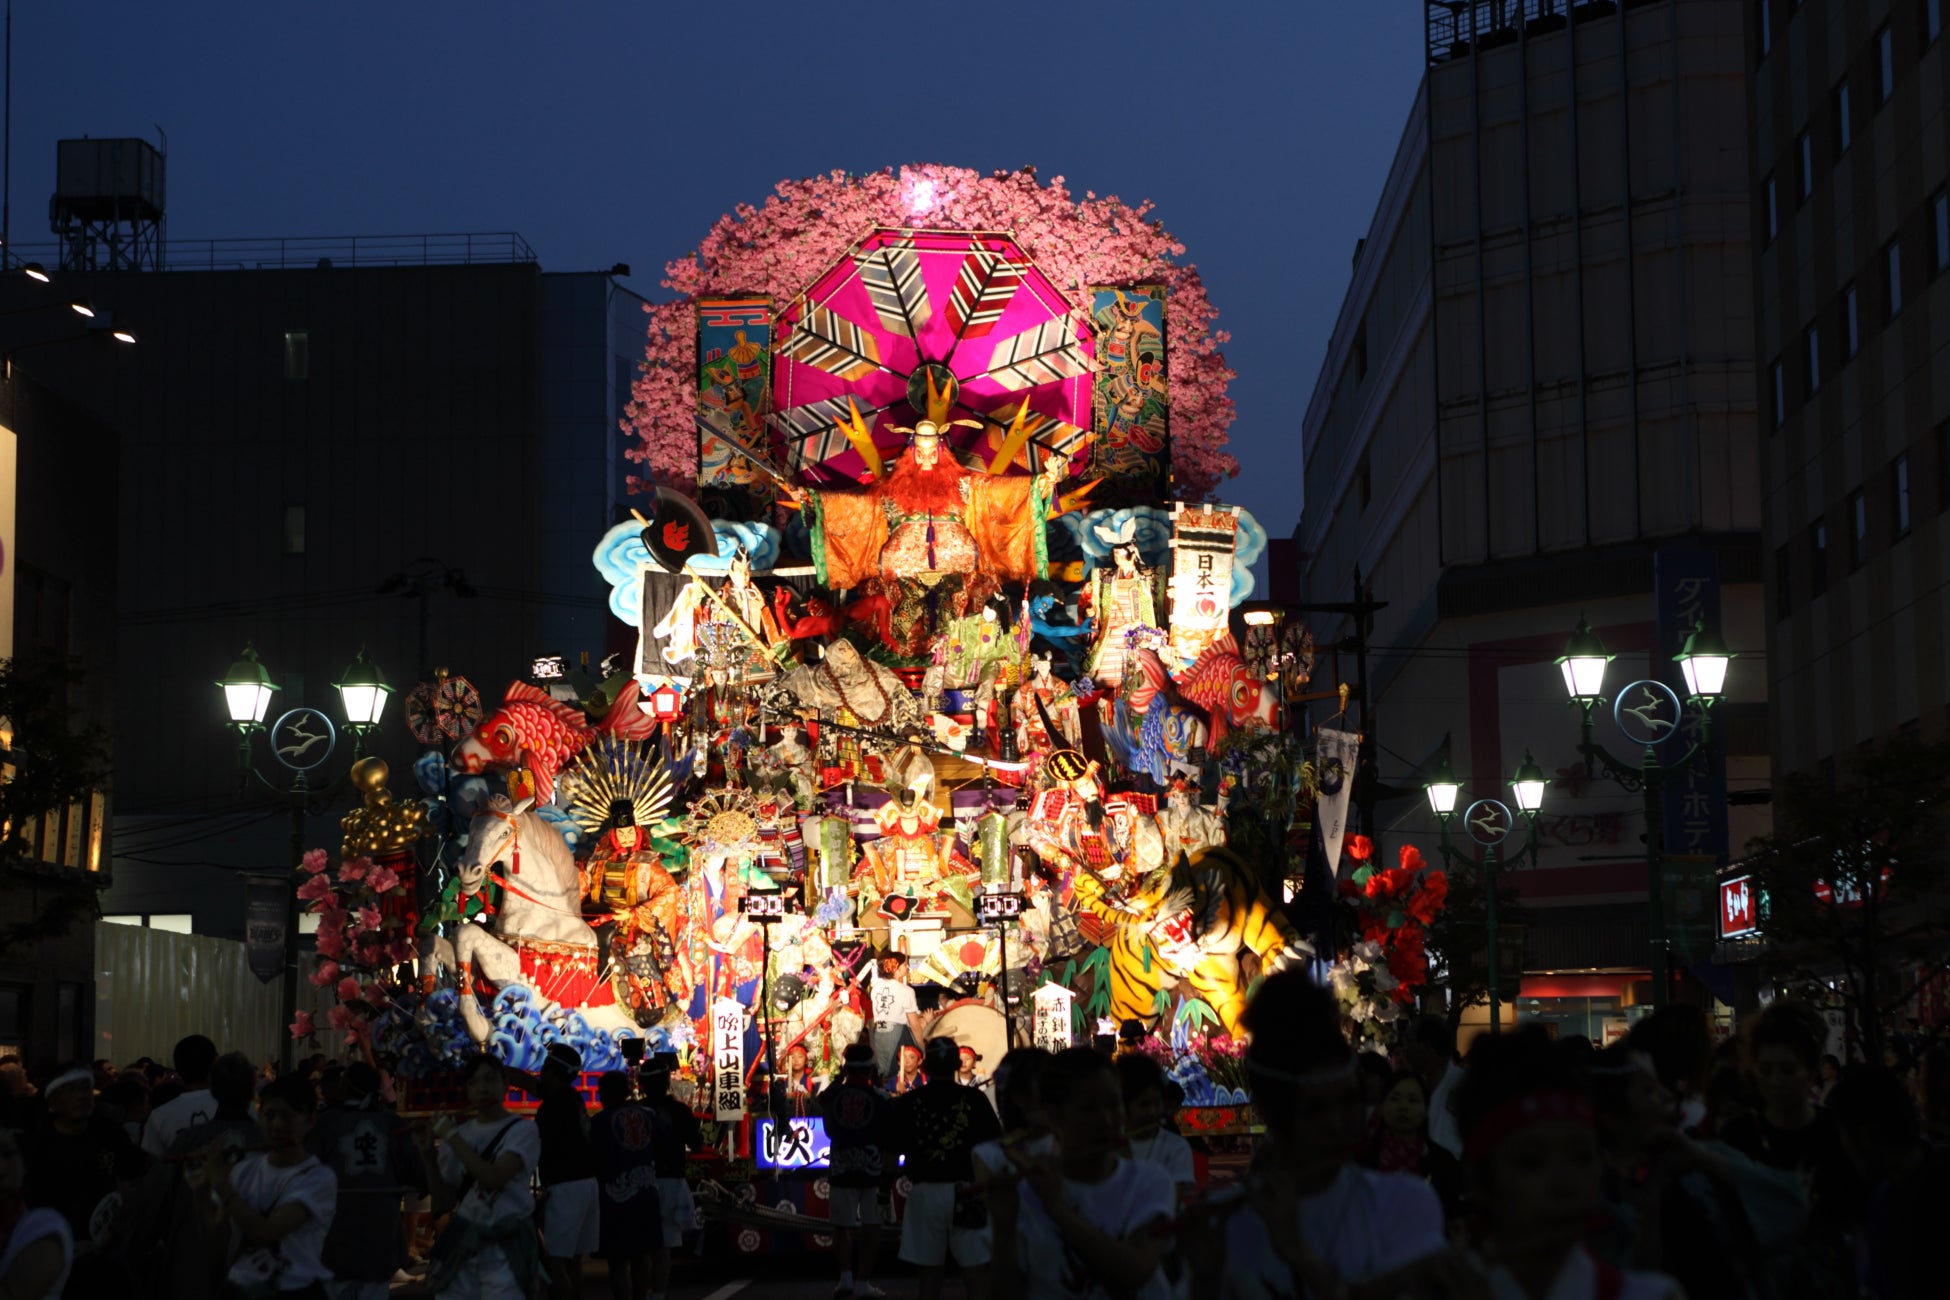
(540,913)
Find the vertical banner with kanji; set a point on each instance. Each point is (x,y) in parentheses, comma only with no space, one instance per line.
(734,370)
(1686,580)
(727,1059)
(1202,542)
(1130,396)
(1052,1002)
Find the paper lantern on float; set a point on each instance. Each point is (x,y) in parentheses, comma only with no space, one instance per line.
(835,839)
(992,848)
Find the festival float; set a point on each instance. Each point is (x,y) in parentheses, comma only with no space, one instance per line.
(936,655)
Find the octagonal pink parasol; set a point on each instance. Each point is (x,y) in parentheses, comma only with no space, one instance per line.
(901,305)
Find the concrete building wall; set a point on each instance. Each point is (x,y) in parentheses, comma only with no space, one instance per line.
(1857,465)
(1542,374)
(433,418)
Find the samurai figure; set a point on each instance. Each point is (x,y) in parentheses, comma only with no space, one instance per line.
(1121,600)
(626,878)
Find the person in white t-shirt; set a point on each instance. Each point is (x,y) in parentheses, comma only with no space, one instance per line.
(193,1058)
(1146,1138)
(481,1172)
(891,1000)
(1312,1222)
(1083,1222)
(278,1203)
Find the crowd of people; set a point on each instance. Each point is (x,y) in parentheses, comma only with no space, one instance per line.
(1534,1168)
(210,1178)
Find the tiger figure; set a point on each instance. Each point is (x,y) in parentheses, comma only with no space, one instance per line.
(1189,921)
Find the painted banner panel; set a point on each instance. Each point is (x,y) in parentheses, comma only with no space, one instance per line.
(1131,396)
(734,372)
(1203,541)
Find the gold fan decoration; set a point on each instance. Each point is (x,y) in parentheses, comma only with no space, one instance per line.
(610,769)
(724,823)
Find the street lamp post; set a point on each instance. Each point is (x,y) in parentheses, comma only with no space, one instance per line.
(1488,822)
(1649,713)
(301,740)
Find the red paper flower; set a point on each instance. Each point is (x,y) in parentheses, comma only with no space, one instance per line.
(1358,847)
(326,975)
(301,1025)
(1411,858)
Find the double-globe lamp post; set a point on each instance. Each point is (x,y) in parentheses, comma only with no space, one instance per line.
(247,690)
(1488,822)
(1703,661)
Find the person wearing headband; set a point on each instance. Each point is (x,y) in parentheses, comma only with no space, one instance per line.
(75,1157)
(1532,1160)
(1315,1222)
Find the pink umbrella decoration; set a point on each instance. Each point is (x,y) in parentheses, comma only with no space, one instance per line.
(901,305)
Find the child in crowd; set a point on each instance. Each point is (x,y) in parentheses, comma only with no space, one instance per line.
(1084,1222)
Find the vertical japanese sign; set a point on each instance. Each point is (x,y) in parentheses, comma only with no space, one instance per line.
(1686,580)
(727,1059)
(1203,542)
(734,372)
(1130,397)
(1052,1032)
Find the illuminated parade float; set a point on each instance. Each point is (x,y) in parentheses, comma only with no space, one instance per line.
(942,720)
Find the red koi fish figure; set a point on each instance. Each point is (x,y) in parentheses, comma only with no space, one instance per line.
(542,734)
(1223,685)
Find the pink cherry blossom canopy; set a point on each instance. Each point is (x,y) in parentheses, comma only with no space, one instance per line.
(902,305)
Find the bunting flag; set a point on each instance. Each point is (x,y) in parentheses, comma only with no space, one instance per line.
(892,276)
(982,291)
(828,341)
(1203,540)
(1130,396)
(734,376)
(1336,753)
(1043,355)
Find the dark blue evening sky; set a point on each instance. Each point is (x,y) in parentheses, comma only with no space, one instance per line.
(616,132)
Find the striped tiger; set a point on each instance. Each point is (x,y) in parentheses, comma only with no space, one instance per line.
(1190,922)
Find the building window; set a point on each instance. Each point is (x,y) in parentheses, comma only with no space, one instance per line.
(1807,149)
(1844,127)
(1780,394)
(1940,225)
(1765,15)
(297,354)
(1363,481)
(1358,352)
(1858,541)
(1892,277)
(1814,360)
(294,530)
(1773,209)
(1932,21)
(1783,582)
(1851,325)
(1899,496)
(1885,68)
(1817,557)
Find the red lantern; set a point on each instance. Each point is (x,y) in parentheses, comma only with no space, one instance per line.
(665,702)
